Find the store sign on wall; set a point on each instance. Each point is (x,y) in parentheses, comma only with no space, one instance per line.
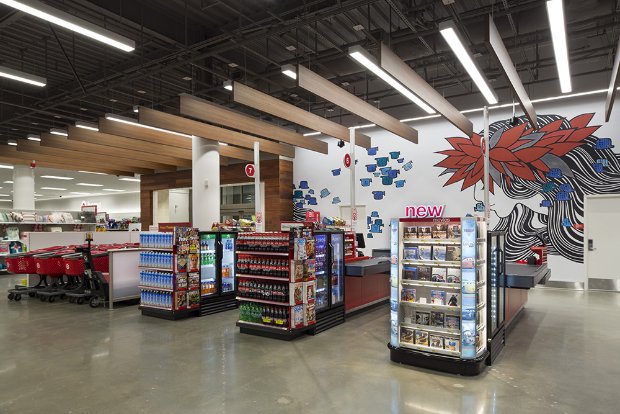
(313,216)
(250,170)
(424,211)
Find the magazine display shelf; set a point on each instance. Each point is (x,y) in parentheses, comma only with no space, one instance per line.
(170,285)
(439,293)
(281,305)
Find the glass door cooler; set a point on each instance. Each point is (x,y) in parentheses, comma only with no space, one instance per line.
(496,293)
(330,254)
(217,272)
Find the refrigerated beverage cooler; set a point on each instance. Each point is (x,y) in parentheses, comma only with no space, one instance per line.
(217,272)
(330,287)
(496,280)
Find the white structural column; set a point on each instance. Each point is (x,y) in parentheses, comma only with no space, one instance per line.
(205,183)
(258,197)
(23,187)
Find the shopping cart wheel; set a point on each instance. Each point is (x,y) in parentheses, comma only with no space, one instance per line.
(51,299)
(17,297)
(32,294)
(94,302)
(11,296)
(80,301)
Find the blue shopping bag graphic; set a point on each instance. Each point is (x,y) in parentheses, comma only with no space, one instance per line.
(372,150)
(382,161)
(365,181)
(371,167)
(394,154)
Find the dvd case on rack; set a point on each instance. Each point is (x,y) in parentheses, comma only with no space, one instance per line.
(425,252)
(454,231)
(454,275)
(424,273)
(421,338)
(439,274)
(410,273)
(407,295)
(453,253)
(422,318)
(437,341)
(440,231)
(425,232)
(410,253)
(452,344)
(406,335)
(411,232)
(437,319)
(439,253)
(452,322)
(453,300)
(438,297)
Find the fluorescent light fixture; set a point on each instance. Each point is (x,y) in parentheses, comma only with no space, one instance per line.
(90,185)
(363,57)
(289,70)
(87,125)
(90,172)
(8,182)
(140,91)
(68,21)
(33,137)
(555,12)
(136,108)
(187,78)
(78,193)
(53,188)
(224,144)
(136,180)
(58,131)
(56,177)
(12,142)
(112,189)
(131,121)
(7,201)
(451,36)
(228,85)
(18,75)
(311,134)
(5,195)
(6,167)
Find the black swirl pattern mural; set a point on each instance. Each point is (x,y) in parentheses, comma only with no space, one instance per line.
(561,162)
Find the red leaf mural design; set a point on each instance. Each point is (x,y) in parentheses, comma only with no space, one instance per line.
(520,151)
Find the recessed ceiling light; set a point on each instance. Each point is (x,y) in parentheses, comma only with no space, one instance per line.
(90,185)
(33,137)
(187,78)
(87,125)
(7,167)
(12,142)
(291,48)
(112,189)
(53,188)
(90,172)
(141,91)
(233,65)
(113,100)
(137,180)
(358,27)
(56,177)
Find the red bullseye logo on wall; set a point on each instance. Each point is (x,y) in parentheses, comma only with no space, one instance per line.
(347,160)
(250,170)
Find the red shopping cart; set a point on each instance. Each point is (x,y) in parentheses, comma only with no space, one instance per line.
(51,266)
(75,267)
(24,264)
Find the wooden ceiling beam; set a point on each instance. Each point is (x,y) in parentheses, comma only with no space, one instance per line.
(145,134)
(191,127)
(263,102)
(203,110)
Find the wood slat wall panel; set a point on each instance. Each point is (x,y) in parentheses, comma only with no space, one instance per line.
(191,127)
(320,86)
(144,134)
(263,102)
(210,112)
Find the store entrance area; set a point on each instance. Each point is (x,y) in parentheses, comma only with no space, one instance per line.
(137,364)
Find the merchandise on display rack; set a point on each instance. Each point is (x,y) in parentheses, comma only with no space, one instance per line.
(276,283)
(217,272)
(170,273)
(439,293)
(330,289)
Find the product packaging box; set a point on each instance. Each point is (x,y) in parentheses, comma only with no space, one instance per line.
(425,232)
(180,300)
(193,281)
(193,262)
(440,231)
(297,316)
(309,270)
(439,274)
(296,293)
(193,298)
(421,337)
(309,291)
(439,253)
(425,252)
(309,314)
(181,281)
(410,253)
(406,335)
(411,232)
(453,253)
(296,271)
(299,250)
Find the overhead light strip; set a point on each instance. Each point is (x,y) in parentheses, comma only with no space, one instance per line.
(130,121)
(289,70)
(450,34)
(20,76)
(364,58)
(87,125)
(68,21)
(555,12)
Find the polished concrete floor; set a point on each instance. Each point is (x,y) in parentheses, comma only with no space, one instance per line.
(561,357)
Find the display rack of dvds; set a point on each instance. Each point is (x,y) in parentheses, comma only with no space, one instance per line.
(276,283)
(170,273)
(438,294)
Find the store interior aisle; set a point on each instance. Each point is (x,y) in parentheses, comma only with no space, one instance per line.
(59,358)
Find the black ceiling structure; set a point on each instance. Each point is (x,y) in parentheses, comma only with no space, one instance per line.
(193,46)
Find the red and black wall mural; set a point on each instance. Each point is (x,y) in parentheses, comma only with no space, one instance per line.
(559,163)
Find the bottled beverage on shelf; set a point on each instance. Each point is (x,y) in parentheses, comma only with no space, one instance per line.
(157,240)
(156,299)
(261,266)
(152,278)
(275,292)
(161,260)
(271,242)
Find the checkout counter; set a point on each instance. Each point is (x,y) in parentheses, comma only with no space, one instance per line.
(368,283)
(520,278)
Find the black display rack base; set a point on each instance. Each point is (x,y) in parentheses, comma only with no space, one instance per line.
(271,332)
(452,365)
(496,344)
(168,314)
(217,304)
(328,319)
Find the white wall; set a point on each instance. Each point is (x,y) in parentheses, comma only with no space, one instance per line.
(161,206)
(423,185)
(178,207)
(118,205)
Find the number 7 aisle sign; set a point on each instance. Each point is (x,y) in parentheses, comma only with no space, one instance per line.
(250,170)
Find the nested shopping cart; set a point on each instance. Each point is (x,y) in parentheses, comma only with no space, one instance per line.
(51,266)
(24,264)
